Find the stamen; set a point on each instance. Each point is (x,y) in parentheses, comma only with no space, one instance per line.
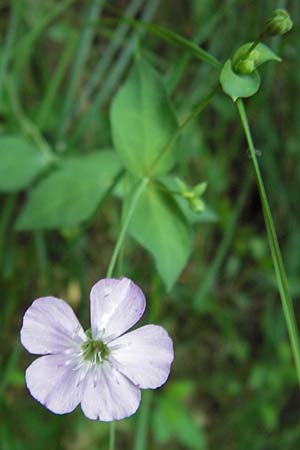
(93,351)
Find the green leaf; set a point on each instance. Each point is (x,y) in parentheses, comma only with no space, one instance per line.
(20,163)
(70,194)
(160,227)
(261,52)
(143,122)
(236,85)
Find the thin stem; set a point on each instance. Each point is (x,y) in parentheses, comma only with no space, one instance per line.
(184,124)
(143,419)
(254,44)
(281,277)
(112,436)
(118,246)
(28,127)
(25,46)
(126,222)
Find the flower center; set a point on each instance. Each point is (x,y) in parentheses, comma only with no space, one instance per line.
(94,351)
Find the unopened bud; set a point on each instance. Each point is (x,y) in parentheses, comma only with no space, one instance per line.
(244,60)
(245,66)
(197,204)
(279,23)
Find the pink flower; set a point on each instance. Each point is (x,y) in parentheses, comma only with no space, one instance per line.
(103,369)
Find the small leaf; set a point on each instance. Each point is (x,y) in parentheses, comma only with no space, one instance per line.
(261,54)
(20,163)
(143,122)
(160,227)
(236,85)
(70,194)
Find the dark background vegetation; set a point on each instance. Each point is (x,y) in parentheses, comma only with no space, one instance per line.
(233,384)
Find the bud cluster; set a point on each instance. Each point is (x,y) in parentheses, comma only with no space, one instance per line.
(193,195)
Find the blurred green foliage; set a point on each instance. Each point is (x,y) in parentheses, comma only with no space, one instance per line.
(233,384)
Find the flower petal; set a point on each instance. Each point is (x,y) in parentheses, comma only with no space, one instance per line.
(116,305)
(55,382)
(50,326)
(144,355)
(108,395)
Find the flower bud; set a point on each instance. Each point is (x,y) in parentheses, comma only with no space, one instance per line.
(197,204)
(245,66)
(279,23)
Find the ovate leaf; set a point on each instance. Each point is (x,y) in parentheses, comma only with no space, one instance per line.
(70,194)
(143,122)
(20,163)
(236,85)
(160,227)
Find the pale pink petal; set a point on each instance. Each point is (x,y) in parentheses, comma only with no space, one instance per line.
(55,381)
(116,305)
(50,326)
(144,355)
(109,395)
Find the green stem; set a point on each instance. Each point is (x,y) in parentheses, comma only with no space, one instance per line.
(184,124)
(26,125)
(112,436)
(281,277)
(143,419)
(118,246)
(252,47)
(126,222)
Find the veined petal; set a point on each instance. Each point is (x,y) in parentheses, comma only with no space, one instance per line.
(56,382)
(50,326)
(116,305)
(144,355)
(109,395)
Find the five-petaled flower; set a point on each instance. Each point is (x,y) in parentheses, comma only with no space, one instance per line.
(103,369)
